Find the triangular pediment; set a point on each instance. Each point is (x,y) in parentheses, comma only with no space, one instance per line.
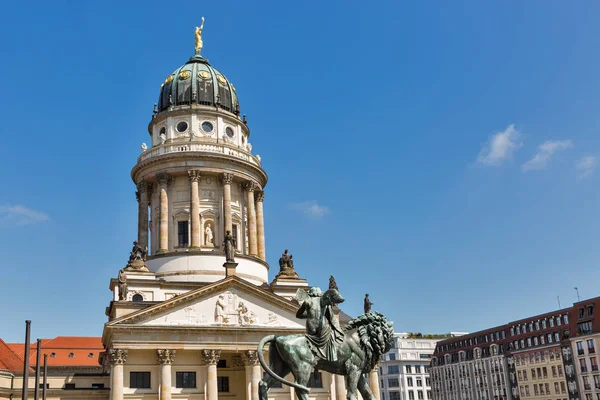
(231,303)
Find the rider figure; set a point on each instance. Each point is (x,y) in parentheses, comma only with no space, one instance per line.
(322,327)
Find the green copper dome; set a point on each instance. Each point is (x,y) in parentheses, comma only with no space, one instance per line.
(197,82)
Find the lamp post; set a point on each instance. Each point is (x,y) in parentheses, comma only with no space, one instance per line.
(45,376)
(36,390)
(25,391)
(577,290)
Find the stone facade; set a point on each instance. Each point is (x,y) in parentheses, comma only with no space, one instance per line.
(551,356)
(404,370)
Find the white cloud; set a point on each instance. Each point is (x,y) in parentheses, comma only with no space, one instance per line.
(500,147)
(20,215)
(585,166)
(311,209)
(545,152)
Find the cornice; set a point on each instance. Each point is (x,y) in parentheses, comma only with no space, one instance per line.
(198,156)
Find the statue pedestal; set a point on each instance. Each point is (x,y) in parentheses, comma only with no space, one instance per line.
(230,268)
(139,274)
(136,265)
(286,286)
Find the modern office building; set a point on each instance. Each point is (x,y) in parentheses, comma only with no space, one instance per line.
(404,371)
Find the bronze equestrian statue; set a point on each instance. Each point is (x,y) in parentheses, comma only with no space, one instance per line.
(352,352)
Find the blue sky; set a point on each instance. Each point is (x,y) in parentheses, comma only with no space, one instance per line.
(441,156)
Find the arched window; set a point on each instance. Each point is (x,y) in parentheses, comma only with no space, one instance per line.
(137,297)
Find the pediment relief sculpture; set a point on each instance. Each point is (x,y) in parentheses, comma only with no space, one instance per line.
(228,308)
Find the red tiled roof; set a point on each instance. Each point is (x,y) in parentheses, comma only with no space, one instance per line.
(9,360)
(73,351)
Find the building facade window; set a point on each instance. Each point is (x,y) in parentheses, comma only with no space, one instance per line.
(580,350)
(182,233)
(223,383)
(583,365)
(584,328)
(590,346)
(315,381)
(594,363)
(392,356)
(394,395)
(185,380)
(137,298)
(139,380)
(409,368)
(393,369)
(409,382)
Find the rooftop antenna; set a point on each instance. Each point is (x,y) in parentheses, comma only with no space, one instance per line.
(577,290)
(558,298)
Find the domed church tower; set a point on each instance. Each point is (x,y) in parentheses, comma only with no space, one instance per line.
(199,180)
(187,312)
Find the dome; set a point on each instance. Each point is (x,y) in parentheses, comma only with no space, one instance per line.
(197,82)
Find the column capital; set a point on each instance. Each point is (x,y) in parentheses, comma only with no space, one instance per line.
(194,175)
(117,356)
(163,178)
(143,186)
(166,356)
(227,178)
(211,357)
(251,357)
(259,195)
(251,186)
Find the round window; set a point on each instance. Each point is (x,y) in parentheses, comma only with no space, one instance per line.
(182,126)
(229,132)
(137,297)
(207,126)
(163,130)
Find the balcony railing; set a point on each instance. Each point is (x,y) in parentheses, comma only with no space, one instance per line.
(217,148)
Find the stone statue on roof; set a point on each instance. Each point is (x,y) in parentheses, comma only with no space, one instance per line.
(122,285)
(286,265)
(137,258)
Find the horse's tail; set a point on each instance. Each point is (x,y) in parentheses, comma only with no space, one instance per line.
(261,358)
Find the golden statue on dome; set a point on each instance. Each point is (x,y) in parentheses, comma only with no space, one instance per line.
(199,37)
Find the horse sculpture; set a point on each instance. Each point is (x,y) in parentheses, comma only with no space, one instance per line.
(352,352)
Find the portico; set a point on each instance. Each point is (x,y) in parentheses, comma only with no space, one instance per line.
(184,350)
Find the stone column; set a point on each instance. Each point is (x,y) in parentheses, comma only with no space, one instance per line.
(163,246)
(340,387)
(260,225)
(195,208)
(253,374)
(143,189)
(165,358)
(374,382)
(211,358)
(227,179)
(117,358)
(252,247)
